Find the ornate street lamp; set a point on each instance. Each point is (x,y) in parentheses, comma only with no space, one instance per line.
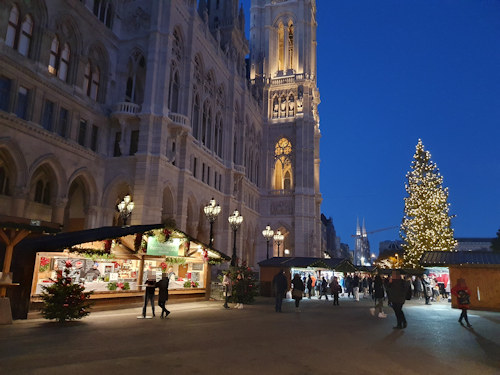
(212,210)
(235,221)
(125,208)
(268,234)
(278,238)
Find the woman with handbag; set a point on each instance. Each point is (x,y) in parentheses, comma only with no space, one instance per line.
(462,292)
(297,291)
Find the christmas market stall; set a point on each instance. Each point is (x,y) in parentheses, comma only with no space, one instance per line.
(17,266)
(480,270)
(304,266)
(114,262)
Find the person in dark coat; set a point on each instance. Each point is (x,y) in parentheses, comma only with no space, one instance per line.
(297,291)
(149,296)
(162,286)
(280,286)
(378,294)
(397,290)
(462,292)
(323,288)
(336,289)
(309,286)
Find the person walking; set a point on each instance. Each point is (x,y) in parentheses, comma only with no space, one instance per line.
(239,291)
(228,288)
(348,285)
(462,292)
(162,286)
(149,295)
(355,287)
(397,290)
(309,286)
(427,290)
(298,290)
(280,286)
(378,294)
(323,288)
(336,289)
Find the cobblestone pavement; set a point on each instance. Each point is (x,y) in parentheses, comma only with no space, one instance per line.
(204,338)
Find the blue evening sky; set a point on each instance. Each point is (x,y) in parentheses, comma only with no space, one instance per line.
(391,72)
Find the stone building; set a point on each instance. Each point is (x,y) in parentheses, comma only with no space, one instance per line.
(154,99)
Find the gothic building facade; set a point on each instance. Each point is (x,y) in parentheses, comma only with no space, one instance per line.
(155,99)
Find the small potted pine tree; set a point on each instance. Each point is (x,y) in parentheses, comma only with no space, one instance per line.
(65,300)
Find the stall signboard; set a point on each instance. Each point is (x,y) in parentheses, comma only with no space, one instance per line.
(167,248)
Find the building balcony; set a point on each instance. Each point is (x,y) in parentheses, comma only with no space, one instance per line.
(179,121)
(124,110)
(240,169)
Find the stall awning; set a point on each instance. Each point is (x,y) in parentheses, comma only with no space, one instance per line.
(338,264)
(452,258)
(69,239)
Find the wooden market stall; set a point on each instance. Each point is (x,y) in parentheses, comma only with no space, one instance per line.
(270,267)
(114,262)
(481,271)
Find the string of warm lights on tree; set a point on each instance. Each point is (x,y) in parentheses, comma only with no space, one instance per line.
(426,224)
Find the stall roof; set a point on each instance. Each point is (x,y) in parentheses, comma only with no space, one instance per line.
(451,258)
(69,239)
(304,262)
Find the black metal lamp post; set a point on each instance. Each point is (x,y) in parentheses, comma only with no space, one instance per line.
(125,208)
(268,234)
(235,221)
(278,238)
(212,210)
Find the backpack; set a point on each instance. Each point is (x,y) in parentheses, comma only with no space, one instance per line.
(463,298)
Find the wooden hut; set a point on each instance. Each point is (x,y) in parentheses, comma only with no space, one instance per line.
(481,271)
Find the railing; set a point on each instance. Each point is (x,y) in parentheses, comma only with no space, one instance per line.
(281,192)
(239,168)
(179,119)
(127,108)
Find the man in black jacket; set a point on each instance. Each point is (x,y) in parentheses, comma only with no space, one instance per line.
(163,295)
(280,285)
(397,289)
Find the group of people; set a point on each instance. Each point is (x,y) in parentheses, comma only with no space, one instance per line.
(149,295)
(397,288)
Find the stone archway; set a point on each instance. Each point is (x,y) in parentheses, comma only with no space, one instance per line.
(76,210)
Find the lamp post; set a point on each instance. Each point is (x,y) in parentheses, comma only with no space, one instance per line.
(212,210)
(278,238)
(235,221)
(125,208)
(268,234)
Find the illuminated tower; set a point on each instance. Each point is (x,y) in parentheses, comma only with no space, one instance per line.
(283,77)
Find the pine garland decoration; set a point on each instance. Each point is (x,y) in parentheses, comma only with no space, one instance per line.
(426,224)
(65,300)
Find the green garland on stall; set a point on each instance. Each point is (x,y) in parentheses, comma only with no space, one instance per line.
(93,254)
(175,260)
(215,261)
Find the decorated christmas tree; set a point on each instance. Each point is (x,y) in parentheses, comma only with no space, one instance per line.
(426,224)
(244,284)
(65,300)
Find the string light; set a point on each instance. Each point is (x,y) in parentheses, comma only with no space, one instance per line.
(426,225)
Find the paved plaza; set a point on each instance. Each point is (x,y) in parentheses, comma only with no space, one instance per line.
(204,338)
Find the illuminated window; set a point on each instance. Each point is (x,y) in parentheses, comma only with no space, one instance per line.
(281,47)
(283,165)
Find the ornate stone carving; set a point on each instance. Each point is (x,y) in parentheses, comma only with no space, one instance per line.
(281,208)
(137,19)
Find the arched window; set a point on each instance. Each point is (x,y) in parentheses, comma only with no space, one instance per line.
(39,191)
(283,106)
(196,116)
(218,135)
(291,106)
(281,47)
(19,35)
(174,91)
(62,74)
(104,11)
(4,182)
(59,59)
(290,46)
(283,165)
(134,91)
